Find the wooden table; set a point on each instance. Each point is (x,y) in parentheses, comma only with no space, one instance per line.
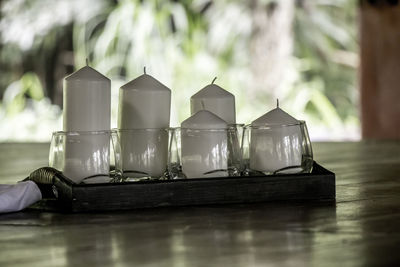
(361,229)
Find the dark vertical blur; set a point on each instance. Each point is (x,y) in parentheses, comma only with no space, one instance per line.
(380,69)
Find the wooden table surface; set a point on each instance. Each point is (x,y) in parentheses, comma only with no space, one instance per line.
(361,229)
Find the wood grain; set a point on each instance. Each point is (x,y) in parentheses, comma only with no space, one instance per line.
(360,229)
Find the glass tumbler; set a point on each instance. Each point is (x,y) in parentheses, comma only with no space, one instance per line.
(143,153)
(82,156)
(203,153)
(277,149)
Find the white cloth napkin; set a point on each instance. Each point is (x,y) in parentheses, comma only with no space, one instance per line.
(19,196)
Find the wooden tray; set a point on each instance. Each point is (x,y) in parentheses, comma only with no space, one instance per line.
(317,185)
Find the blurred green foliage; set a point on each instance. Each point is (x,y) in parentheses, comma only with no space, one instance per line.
(182,43)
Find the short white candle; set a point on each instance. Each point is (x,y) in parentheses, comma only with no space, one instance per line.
(204,150)
(215,99)
(144,103)
(87,107)
(278,146)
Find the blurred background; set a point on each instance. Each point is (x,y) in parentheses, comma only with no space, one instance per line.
(303,52)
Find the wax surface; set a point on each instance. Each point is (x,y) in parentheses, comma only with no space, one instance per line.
(217,100)
(87,101)
(204,119)
(275,117)
(144,103)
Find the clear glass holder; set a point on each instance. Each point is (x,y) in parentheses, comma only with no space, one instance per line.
(204,153)
(84,156)
(276,149)
(142,153)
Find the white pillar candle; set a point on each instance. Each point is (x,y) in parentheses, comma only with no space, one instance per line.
(87,107)
(204,145)
(215,99)
(144,103)
(87,101)
(277,145)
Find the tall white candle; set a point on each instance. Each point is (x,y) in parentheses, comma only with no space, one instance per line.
(204,145)
(215,99)
(144,103)
(278,144)
(87,107)
(87,101)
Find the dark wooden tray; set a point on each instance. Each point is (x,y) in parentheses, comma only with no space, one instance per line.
(317,185)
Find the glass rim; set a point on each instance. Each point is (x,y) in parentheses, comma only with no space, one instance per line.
(228,129)
(76,133)
(269,126)
(118,130)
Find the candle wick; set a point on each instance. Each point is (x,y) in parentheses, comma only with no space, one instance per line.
(144,69)
(87,62)
(213,80)
(277,103)
(202,105)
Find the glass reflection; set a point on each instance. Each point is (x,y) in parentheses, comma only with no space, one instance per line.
(82,156)
(143,154)
(203,153)
(276,149)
